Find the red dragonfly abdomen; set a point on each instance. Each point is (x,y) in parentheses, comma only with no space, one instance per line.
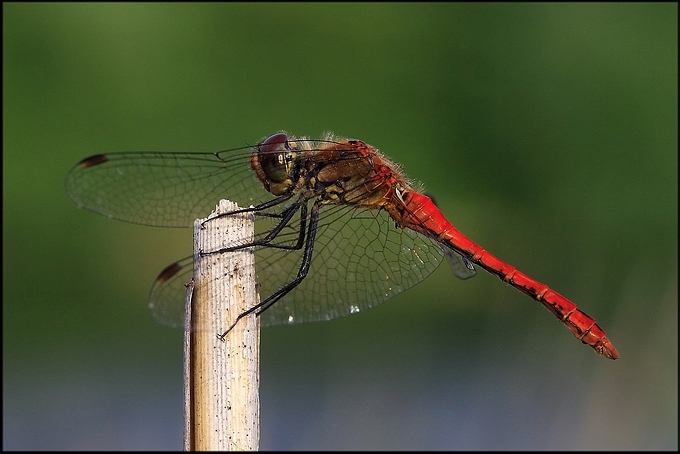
(422,215)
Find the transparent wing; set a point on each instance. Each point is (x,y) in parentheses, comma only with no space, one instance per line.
(361,259)
(163,189)
(168,293)
(462,268)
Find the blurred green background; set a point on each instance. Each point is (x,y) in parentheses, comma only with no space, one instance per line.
(547,133)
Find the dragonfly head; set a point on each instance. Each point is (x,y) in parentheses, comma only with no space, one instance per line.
(273,163)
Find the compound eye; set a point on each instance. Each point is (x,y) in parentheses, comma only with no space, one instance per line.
(277,142)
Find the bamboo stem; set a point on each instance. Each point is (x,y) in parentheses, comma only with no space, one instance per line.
(222,378)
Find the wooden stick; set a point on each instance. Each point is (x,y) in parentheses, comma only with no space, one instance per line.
(222,377)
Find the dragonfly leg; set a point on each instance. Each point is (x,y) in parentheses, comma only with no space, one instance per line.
(266,241)
(263,206)
(302,273)
(285,219)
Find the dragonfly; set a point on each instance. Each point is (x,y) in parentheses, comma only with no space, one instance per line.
(339,228)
